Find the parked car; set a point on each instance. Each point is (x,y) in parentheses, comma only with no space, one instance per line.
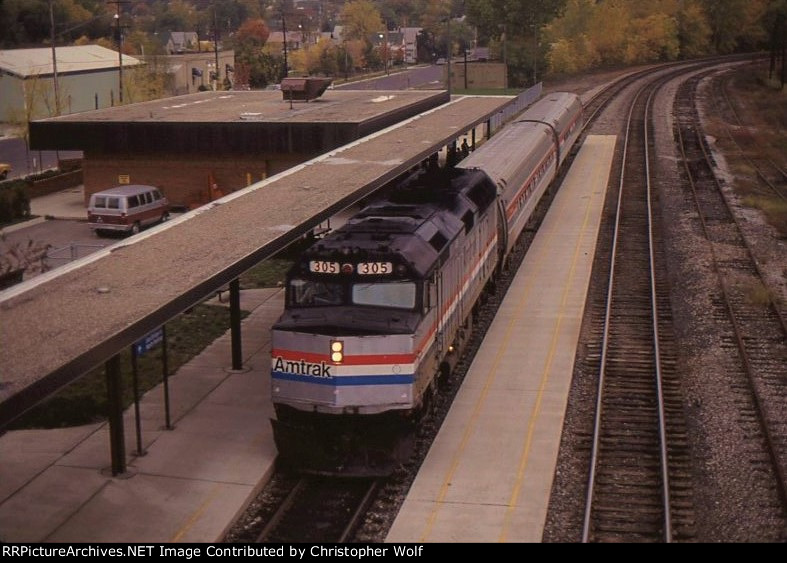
(126,209)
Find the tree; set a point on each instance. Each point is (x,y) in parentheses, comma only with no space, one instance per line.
(177,15)
(361,19)
(518,25)
(146,82)
(653,38)
(255,65)
(609,30)
(254,31)
(356,51)
(403,13)
(319,59)
(694,33)
(775,21)
(733,22)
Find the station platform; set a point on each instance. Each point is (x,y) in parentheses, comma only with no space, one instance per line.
(488,476)
(192,482)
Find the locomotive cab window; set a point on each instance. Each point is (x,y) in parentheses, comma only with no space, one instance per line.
(310,293)
(398,295)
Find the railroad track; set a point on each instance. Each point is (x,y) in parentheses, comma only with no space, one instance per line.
(317,509)
(391,492)
(384,503)
(754,330)
(639,489)
(769,174)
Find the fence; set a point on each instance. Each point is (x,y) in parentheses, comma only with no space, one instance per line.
(515,107)
(71,252)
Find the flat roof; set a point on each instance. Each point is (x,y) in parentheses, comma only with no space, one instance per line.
(233,122)
(57,326)
(81,58)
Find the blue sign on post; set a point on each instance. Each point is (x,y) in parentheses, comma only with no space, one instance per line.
(149,342)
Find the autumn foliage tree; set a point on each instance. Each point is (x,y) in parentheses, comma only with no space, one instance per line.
(255,65)
(361,19)
(589,33)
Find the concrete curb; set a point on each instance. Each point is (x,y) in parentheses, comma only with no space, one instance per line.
(24,225)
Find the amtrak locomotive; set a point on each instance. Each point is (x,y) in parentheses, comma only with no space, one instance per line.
(378,310)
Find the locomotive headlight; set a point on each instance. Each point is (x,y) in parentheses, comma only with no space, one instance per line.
(337,351)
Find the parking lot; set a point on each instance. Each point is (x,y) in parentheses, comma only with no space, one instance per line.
(60,224)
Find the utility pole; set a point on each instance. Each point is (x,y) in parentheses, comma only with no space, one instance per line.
(54,58)
(119,31)
(284,33)
(465,66)
(504,38)
(535,47)
(450,52)
(216,45)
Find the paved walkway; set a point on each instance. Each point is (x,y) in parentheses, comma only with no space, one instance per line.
(191,483)
(488,475)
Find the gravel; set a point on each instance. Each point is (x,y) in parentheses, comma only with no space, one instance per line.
(732,501)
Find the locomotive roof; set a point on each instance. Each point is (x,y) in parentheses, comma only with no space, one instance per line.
(416,221)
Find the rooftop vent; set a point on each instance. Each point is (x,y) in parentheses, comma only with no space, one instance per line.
(304,89)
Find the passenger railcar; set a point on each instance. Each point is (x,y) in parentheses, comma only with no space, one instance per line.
(377,310)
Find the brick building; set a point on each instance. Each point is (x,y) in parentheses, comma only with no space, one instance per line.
(200,146)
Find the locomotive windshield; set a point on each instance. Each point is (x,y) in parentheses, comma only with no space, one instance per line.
(318,293)
(311,293)
(400,295)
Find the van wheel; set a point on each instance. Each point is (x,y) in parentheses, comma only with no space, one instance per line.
(135,228)
(165,217)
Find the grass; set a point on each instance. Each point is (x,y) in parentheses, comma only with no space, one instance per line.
(764,109)
(85,400)
(757,294)
(269,273)
(774,209)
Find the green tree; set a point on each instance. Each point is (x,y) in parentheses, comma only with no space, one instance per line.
(177,15)
(736,24)
(403,13)
(517,25)
(694,33)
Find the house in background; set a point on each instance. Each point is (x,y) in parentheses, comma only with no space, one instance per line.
(179,42)
(409,42)
(191,63)
(295,40)
(87,78)
(194,71)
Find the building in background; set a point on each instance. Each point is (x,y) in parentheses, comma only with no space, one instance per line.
(87,78)
(191,72)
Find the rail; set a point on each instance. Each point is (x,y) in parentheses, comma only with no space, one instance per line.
(625,441)
(760,333)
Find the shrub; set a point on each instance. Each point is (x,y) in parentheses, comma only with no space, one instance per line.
(14,202)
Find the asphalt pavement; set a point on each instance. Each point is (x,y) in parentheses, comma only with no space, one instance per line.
(13,151)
